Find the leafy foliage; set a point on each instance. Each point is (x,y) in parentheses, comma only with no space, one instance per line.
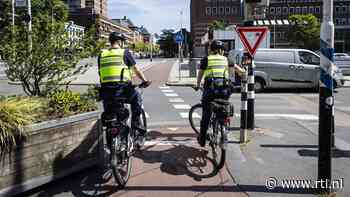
(167,43)
(53,58)
(217,25)
(65,102)
(14,114)
(305,33)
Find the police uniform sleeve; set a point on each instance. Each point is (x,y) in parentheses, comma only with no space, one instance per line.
(204,63)
(129,59)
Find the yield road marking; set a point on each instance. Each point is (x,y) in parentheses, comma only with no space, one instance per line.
(180,106)
(176,100)
(171,95)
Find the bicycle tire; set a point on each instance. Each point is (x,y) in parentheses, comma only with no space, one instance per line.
(143,125)
(216,144)
(120,176)
(191,118)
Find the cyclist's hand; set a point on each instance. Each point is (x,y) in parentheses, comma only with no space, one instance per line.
(196,88)
(145,84)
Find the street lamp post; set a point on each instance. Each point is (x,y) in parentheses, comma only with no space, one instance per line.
(30,25)
(326,99)
(151,38)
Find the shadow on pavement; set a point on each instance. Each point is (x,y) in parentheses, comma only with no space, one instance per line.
(179,159)
(314,153)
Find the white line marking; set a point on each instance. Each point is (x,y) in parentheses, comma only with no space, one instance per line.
(164,87)
(179,106)
(170,143)
(176,100)
(290,116)
(171,95)
(167,91)
(185,115)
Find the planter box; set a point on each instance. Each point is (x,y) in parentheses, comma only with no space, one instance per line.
(52,150)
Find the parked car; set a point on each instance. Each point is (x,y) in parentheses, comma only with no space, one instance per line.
(342,60)
(288,68)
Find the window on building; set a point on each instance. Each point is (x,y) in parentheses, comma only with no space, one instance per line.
(344,9)
(279,10)
(337,21)
(291,10)
(272,10)
(285,10)
(305,10)
(208,11)
(222,11)
(311,9)
(317,9)
(297,10)
(234,10)
(227,10)
(214,11)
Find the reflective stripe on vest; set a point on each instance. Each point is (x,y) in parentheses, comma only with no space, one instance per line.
(217,67)
(112,66)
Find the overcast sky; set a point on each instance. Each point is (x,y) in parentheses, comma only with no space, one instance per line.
(155,15)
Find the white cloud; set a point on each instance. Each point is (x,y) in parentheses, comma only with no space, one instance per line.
(155,15)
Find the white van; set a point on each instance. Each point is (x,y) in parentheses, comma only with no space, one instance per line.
(288,68)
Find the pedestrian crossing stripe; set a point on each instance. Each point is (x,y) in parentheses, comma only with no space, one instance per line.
(181,106)
(185,115)
(171,95)
(167,91)
(164,87)
(176,100)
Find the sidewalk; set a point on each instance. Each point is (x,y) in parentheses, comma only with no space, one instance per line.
(180,75)
(282,149)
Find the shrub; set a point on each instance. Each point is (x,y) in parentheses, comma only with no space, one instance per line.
(14,114)
(63,103)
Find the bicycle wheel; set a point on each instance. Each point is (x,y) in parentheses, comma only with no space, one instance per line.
(216,142)
(121,161)
(195,117)
(143,125)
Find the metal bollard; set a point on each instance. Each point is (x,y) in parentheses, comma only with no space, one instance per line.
(251,96)
(244,107)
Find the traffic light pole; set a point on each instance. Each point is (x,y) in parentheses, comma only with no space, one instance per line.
(326,99)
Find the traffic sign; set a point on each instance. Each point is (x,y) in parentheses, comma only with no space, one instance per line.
(251,37)
(179,38)
(21,3)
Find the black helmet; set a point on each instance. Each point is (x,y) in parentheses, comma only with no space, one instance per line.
(216,45)
(115,36)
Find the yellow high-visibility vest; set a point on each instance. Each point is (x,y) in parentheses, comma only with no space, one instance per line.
(217,67)
(112,66)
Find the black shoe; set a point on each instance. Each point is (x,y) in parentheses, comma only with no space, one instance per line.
(201,140)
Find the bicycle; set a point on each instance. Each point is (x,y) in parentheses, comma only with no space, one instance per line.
(123,139)
(218,127)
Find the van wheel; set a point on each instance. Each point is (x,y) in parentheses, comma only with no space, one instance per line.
(259,85)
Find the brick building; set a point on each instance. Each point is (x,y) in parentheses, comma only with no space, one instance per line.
(281,9)
(204,12)
(94,12)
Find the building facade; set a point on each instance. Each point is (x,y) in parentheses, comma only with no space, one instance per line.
(204,12)
(282,9)
(87,13)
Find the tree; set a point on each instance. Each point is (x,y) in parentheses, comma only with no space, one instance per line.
(167,43)
(305,33)
(217,25)
(53,58)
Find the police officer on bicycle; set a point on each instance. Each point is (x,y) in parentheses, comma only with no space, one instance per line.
(116,67)
(216,71)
